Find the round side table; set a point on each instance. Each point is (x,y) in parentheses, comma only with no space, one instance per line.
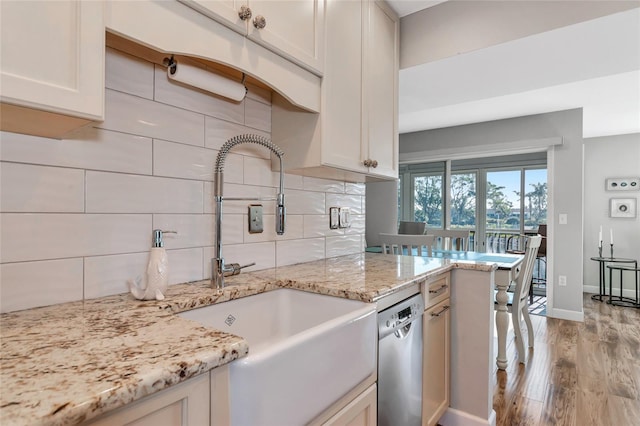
(622,300)
(602,261)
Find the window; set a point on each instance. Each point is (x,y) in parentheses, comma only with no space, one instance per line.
(484,197)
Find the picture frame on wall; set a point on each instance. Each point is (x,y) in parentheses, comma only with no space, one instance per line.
(622,184)
(623,207)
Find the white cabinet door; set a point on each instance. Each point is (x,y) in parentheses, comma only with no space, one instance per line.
(361,132)
(356,134)
(184,404)
(53,56)
(223,11)
(292,29)
(362,411)
(342,88)
(381,90)
(435,369)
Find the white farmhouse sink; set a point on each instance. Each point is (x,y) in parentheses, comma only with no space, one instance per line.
(305,352)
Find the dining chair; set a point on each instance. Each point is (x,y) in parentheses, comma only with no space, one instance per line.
(449,239)
(412,228)
(540,278)
(518,303)
(411,245)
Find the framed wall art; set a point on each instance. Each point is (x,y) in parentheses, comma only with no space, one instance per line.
(623,207)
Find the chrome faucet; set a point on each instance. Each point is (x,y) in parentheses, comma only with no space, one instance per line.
(218,266)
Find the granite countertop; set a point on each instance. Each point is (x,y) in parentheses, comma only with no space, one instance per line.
(67,363)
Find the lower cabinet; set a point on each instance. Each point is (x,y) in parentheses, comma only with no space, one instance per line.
(204,400)
(362,411)
(184,404)
(436,356)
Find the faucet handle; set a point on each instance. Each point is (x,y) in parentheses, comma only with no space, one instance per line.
(234,268)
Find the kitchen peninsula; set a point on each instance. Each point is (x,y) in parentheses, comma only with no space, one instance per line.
(68,363)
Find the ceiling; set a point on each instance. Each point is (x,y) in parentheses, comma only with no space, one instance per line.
(407,7)
(594,65)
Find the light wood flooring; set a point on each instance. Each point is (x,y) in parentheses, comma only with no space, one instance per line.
(578,373)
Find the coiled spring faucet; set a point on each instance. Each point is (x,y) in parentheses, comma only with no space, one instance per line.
(218,266)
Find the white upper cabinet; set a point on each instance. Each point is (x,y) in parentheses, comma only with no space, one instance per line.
(51,65)
(293,29)
(381,91)
(355,136)
(187,28)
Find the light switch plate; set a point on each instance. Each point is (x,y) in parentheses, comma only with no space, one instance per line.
(345,217)
(255,219)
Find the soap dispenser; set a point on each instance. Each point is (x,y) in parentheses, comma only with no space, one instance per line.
(157,277)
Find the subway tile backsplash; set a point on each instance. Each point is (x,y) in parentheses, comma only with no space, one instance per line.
(76,215)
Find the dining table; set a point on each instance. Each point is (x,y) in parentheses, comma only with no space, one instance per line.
(508,269)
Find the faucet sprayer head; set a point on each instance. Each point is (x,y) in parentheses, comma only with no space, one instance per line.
(280,214)
(218,267)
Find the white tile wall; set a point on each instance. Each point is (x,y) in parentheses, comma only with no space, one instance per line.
(123,193)
(298,251)
(129,74)
(88,148)
(28,284)
(132,114)
(41,189)
(77,214)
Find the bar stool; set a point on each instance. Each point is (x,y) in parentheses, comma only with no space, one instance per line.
(622,300)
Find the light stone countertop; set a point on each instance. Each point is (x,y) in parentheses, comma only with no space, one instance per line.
(67,363)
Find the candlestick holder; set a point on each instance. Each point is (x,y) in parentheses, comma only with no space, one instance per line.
(611,250)
(600,252)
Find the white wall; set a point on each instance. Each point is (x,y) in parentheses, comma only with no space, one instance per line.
(382,200)
(566,191)
(77,214)
(456,27)
(606,157)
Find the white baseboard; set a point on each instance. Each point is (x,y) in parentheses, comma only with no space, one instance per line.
(453,417)
(626,292)
(565,314)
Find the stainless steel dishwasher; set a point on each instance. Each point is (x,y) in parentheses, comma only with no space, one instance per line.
(400,363)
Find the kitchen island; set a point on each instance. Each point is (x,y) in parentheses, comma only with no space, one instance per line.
(68,363)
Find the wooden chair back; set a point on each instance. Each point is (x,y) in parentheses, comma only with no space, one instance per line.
(523,279)
(542,230)
(410,245)
(448,239)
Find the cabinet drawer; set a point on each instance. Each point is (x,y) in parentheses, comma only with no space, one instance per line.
(436,290)
(436,362)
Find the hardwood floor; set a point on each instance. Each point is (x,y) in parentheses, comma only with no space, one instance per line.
(578,373)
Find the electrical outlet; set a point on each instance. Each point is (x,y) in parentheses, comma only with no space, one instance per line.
(255,219)
(562,219)
(562,280)
(334,218)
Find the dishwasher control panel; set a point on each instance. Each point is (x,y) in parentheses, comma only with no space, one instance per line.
(400,315)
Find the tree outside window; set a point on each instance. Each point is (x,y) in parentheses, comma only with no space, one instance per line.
(463,200)
(427,204)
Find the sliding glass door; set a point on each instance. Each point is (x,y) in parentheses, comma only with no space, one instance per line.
(484,196)
(508,215)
